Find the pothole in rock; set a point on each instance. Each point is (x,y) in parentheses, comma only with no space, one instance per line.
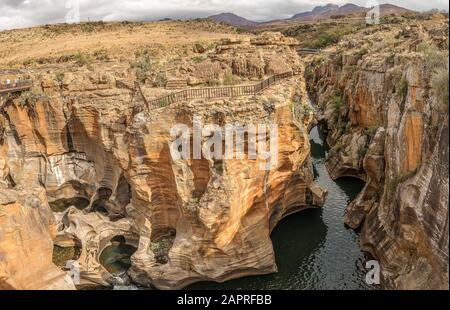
(113,207)
(63,254)
(161,244)
(63,204)
(116,258)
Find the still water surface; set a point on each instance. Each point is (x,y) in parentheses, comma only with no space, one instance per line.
(313,248)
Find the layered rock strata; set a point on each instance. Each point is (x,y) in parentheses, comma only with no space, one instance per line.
(387,117)
(88,144)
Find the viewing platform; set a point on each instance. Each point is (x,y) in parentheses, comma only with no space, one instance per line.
(215,92)
(15,86)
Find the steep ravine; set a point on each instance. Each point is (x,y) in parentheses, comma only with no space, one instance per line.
(382,96)
(313,249)
(85,166)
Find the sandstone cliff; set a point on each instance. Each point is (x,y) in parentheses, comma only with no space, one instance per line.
(87,142)
(384,96)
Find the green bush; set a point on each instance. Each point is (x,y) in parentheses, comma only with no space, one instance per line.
(101,55)
(155,246)
(198,59)
(361,53)
(337,102)
(213,82)
(60,76)
(141,68)
(161,79)
(401,88)
(370,131)
(81,59)
(337,147)
(362,150)
(231,79)
(195,200)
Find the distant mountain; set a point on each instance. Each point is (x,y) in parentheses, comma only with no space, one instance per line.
(386,9)
(232,19)
(329,10)
(317,13)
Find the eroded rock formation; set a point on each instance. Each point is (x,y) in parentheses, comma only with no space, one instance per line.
(388,125)
(86,141)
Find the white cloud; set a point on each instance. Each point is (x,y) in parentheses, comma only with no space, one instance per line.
(25,13)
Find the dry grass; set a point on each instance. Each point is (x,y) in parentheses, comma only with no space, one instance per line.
(48,44)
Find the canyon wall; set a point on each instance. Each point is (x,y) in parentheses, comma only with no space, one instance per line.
(383,93)
(100,160)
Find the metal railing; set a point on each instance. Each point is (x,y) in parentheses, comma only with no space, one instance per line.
(216,92)
(308,51)
(16,86)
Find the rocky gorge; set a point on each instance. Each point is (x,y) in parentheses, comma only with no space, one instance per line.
(86,164)
(91,196)
(383,93)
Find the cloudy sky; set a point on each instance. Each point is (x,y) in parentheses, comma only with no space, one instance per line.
(25,13)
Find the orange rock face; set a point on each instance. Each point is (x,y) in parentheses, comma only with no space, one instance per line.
(392,132)
(26,230)
(104,163)
(413,133)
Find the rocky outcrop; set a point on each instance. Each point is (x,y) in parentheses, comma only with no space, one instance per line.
(27,227)
(388,126)
(87,141)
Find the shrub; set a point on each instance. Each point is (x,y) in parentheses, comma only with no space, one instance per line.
(197,59)
(60,76)
(339,60)
(213,82)
(434,58)
(370,131)
(161,79)
(195,200)
(81,59)
(155,246)
(395,181)
(401,88)
(231,79)
(336,101)
(439,83)
(337,147)
(28,99)
(361,53)
(101,55)
(362,150)
(141,68)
